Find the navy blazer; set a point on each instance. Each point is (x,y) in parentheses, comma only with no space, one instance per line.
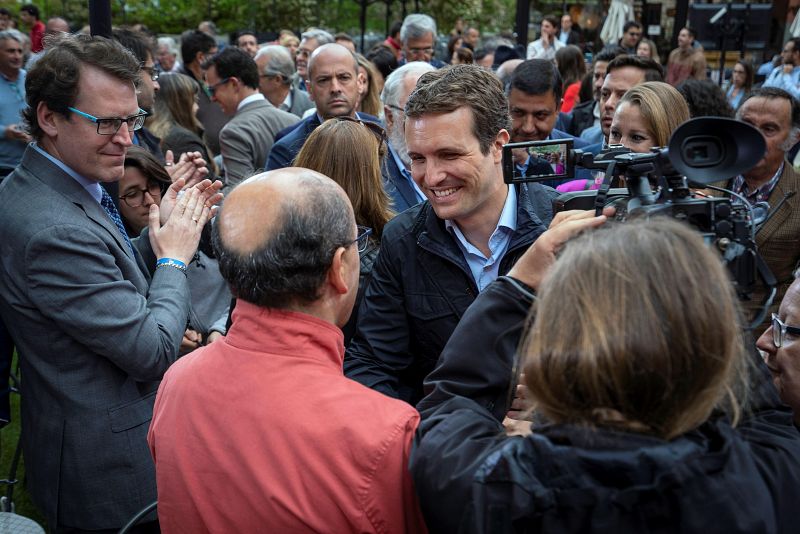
(397,186)
(288,143)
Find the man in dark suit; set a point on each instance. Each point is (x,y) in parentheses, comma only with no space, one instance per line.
(332,73)
(246,140)
(534,99)
(196,47)
(95,328)
(568,35)
(276,73)
(397,172)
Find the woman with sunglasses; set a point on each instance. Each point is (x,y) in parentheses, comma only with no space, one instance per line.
(350,152)
(141,186)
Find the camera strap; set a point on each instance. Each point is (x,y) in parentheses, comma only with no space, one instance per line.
(602,192)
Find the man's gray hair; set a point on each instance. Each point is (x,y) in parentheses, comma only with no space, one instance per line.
(280,62)
(14,34)
(321,36)
(390,95)
(10,34)
(417,26)
(169,42)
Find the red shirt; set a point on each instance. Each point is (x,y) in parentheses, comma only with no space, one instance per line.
(261,432)
(37,34)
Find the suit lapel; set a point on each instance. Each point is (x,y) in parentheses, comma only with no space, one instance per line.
(787,184)
(42,169)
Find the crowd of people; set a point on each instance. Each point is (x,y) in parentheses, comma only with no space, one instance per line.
(285,286)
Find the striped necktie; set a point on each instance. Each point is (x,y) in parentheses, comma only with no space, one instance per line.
(112,212)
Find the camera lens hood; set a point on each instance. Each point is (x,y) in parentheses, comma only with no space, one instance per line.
(712,149)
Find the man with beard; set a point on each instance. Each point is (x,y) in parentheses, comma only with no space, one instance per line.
(397,173)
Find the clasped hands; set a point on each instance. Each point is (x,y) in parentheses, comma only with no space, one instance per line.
(189,203)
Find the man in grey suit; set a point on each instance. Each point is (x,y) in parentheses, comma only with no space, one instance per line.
(246,140)
(95,328)
(276,76)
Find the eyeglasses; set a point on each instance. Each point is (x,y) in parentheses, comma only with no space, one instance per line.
(396,108)
(110,125)
(374,128)
(151,71)
(212,89)
(779,331)
(418,51)
(362,239)
(135,198)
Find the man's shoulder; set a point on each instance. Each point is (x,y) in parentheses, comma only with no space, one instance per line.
(408,224)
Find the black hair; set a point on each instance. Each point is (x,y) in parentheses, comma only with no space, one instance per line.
(234,62)
(537,77)
(653,71)
(136,42)
(705,99)
(773,93)
(31,10)
(194,41)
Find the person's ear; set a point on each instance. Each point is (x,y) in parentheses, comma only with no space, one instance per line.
(388,117)
(337,274)
(47,119)
(497,147)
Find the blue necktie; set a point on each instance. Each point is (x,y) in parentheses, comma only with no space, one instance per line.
(112,212)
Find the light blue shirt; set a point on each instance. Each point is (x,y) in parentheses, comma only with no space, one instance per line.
(12,102)
(93,188)
(485,270)
(788,82)
(407,175)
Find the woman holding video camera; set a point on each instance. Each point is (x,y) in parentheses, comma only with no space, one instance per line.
(649,414)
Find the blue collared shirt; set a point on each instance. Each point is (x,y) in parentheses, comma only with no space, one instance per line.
(407,175)
(485,270)
(92,187)
(12,102)
(788,82)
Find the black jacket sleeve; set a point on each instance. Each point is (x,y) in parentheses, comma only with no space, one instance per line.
(478,360)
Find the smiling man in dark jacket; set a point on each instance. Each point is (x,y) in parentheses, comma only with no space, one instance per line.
(436,258)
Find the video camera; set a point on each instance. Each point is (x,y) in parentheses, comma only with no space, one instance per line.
(660,182)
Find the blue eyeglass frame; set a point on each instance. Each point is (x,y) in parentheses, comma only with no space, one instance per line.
(99,120)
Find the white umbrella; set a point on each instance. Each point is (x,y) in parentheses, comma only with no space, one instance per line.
(620,12)
(794,30)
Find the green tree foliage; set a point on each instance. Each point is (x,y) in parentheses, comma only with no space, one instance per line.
(175,16)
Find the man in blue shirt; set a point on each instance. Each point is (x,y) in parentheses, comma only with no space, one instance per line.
(437,256)
(787,76)
(13,136)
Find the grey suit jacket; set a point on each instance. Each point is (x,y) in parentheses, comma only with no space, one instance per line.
(95,334)
(246,140)
(300,102)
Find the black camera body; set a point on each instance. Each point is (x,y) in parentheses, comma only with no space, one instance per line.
(661,183)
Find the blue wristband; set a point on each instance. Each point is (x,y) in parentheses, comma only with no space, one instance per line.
(171,262)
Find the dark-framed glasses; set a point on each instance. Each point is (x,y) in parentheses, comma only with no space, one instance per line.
(110,125)
(779,330)
(135,198)
(362,239)
(212,89)
(376,129)
(152,72)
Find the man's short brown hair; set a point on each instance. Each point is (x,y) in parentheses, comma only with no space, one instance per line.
(55,76)
(445,90)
